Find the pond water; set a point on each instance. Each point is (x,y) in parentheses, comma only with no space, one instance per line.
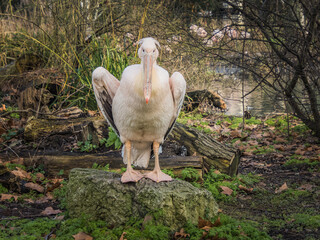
(260,102)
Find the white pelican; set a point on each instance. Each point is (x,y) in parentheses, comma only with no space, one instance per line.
(142,108)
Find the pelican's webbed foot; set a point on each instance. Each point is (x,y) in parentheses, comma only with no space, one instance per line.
(158,176)
(131,176)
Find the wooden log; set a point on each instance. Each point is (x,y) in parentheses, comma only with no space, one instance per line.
(54,163)
(215,154)
(196,98)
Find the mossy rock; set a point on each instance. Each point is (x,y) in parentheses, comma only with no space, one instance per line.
(101,196)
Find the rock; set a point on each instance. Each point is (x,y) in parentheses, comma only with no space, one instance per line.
(101,195)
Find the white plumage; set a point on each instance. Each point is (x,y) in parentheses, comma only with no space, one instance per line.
(142,108)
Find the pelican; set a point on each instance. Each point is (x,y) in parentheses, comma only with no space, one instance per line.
(141,108)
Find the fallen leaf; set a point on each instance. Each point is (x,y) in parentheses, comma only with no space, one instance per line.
(50,211)
(39,176)
(5,196)
(3,108)
(92,113)
(248,190)
(34,186)
(216,172)
(181,234)
(61,217)
(235,134)
(122,236)
(28,200)
(282,188)
(43,199)
(82,236)
(49,196)
(299,151)
(21,173)
(226,190)
(306,187)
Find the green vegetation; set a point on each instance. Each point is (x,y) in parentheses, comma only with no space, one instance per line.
(190,174)
(100,167)
(3,189)
(213,182)
(297,162)
(113,140)
(233,229)
(87,146)
(27,229)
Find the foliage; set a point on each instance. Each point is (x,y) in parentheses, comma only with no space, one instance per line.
(60,194)
(100,167)
(27,229)
(234,229)
(190,174)
(169,172)
(87,146)
(113,139)
(214,180)
(3,189)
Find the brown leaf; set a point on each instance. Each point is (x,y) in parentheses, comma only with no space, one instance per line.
(43,199)
(50,211)
(122,236)
(39,176)
(235,134)
(279,147)
(60,218)
(181,234)
(82,236)
(28,200)
(202,223)
(5,196)
(248,190)
(299,151)
(92,113)
(282,188)
(3,108)
(226,190)
(307,187)
(21,173)
(34,186)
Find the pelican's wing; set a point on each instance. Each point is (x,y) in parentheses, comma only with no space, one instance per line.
(105,86)
(178,90)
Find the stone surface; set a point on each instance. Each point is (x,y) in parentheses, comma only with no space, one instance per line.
(101,195)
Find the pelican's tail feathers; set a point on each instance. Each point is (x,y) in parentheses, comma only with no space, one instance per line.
(140,154)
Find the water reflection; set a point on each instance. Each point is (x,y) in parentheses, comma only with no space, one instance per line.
(260,102)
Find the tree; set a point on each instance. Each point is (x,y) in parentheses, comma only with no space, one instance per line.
(288,33)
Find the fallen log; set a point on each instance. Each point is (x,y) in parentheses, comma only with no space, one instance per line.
(215,154)
(54,163)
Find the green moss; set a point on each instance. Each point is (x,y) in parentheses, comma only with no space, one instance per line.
(231,228)
(213,182)
(27,229)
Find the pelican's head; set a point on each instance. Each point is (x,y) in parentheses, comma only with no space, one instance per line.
(148,53)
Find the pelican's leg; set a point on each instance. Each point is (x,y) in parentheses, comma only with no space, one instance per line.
(157,175)
(130,175)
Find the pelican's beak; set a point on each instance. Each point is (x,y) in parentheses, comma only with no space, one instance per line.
(147,68)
